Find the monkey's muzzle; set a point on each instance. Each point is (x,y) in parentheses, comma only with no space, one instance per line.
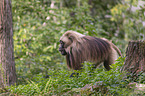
(62,51)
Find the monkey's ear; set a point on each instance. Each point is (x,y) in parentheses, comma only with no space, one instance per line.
(71,38)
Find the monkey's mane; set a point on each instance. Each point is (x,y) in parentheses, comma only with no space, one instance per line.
(85,48)
(72,35)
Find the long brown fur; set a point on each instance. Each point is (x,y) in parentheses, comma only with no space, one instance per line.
(82,48)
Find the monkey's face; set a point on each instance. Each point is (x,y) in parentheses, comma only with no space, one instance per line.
(64,44)
(61,48)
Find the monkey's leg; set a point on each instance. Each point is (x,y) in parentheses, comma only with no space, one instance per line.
(74,75)
(111,59)
(106,65)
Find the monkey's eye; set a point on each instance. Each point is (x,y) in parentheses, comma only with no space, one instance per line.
(61,42)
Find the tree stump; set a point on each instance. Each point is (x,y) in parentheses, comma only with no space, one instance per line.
(135,57)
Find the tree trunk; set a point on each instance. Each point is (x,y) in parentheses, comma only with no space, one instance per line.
(135,57)
(7,64)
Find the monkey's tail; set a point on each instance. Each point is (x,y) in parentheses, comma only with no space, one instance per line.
(117,49)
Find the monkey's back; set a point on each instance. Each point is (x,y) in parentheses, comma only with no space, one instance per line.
(95,48)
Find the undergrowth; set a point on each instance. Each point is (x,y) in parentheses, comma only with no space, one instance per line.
(59,82)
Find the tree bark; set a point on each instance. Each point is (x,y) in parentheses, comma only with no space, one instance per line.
(7,64)
(135,57)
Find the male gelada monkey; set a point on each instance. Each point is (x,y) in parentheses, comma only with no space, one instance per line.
(79,48)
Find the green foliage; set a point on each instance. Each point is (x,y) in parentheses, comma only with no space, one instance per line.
(61,84)
(130,19)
